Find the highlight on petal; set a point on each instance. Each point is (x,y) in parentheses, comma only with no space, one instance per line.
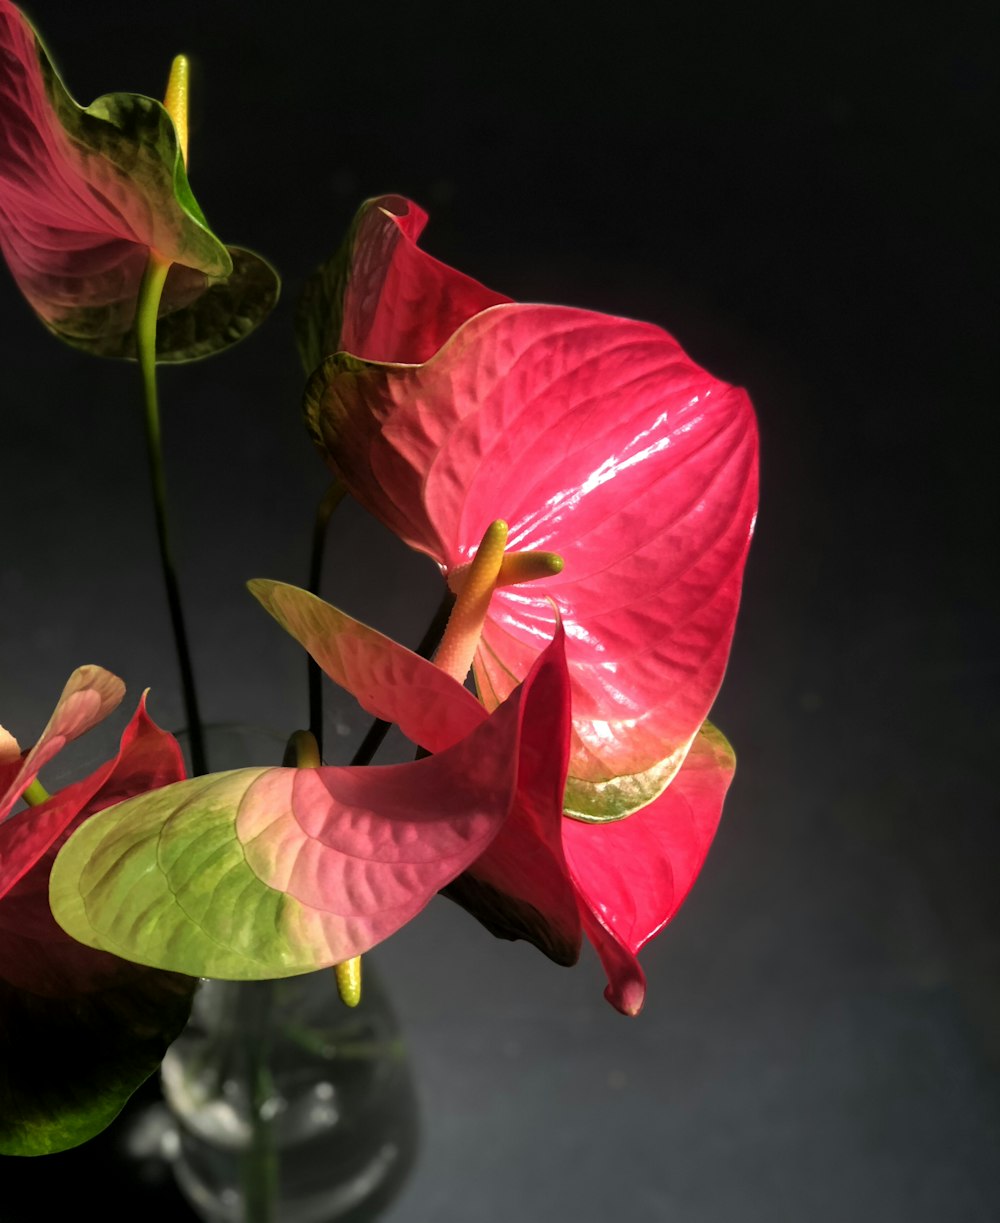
(80,1029)
(596,438)
(263,873)
(382,297)
(633,875)
(87,193)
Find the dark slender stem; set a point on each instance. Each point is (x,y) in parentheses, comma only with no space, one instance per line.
(331,499)
(145,335)
(371,742)
(428,644)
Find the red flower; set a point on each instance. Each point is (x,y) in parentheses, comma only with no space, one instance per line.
(543,877)
(79,1029)
(595,438)
(447,407)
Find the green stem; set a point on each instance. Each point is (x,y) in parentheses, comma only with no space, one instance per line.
(331,499)
(428,644)
(145,339)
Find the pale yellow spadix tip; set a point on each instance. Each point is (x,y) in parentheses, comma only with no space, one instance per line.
(175,100)
(348,976)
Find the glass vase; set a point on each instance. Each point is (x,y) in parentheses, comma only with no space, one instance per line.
(287,1105)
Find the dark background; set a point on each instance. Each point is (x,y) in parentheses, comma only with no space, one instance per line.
(804,195)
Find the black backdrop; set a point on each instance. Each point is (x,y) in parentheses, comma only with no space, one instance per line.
(802,194)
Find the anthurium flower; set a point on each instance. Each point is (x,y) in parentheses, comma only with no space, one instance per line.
(79,1029)
(543,877)
(597,439)
(87,193)
(269,872)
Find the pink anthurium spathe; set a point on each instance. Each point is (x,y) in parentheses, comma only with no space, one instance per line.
(596,438)
(543,877)
(87,194)
(79,1029)
(269,872)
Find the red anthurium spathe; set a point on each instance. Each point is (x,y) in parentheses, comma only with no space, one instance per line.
(543,876)
(595,438)
(79,1029)
(270,872)
(86,194)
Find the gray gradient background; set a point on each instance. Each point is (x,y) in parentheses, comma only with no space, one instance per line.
(801,195)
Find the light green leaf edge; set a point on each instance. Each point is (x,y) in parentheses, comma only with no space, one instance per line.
(146,891)
(617,798)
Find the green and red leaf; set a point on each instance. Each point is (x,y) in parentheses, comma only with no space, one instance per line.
(79,1029)
(86,193)
(519,887)
(265,872)
(542,875)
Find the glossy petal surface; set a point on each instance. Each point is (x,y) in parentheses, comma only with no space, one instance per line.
(80,1029)
(260,873)
(633,875)
(86,193)
(596,438)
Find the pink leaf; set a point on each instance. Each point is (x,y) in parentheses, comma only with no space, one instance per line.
(388,680)
(519,886)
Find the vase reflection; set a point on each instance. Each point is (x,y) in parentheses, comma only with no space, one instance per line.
(289,1106)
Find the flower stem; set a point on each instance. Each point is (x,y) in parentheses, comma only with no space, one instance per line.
(465,627)
(331,499)
(145,341)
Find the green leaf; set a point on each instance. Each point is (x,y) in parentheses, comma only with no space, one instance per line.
(198,316)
